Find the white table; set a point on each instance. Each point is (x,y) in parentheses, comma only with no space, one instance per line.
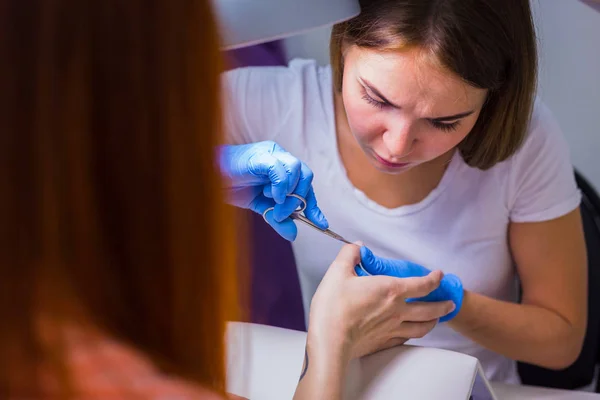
(520,392)
(264,363)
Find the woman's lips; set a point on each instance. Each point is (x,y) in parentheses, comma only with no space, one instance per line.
(389,164)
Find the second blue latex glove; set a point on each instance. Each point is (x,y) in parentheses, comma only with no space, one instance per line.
(263,175)
(450,288)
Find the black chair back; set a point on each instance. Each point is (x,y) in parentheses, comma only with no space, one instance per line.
(581,372)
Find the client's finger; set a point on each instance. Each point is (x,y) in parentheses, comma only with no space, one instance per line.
(393,342)
(411,330)
(347,258)
(418,311)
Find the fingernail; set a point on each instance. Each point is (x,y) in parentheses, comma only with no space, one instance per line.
(359,243)
(453,307)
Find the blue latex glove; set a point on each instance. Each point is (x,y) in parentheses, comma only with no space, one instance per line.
(262,175)
(450,288)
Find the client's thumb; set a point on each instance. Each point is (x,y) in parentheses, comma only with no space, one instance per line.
(348,257)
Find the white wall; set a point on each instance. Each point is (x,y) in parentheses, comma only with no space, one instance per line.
(569,83)
(569,39)
(314,44)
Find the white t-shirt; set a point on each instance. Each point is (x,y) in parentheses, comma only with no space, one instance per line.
(460,227)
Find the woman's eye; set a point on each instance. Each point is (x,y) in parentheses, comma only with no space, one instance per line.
(446,127)
(372,101)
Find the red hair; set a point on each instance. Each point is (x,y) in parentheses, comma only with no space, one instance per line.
(110,197)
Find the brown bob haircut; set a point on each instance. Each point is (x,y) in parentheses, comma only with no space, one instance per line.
(490,44)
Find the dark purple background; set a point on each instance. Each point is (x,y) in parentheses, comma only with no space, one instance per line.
(275,291)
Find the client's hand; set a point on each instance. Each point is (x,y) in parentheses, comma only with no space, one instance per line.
(351,316)
(450,288)
(367,314)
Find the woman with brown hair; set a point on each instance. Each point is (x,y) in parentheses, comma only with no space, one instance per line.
(428,144)
(117,268)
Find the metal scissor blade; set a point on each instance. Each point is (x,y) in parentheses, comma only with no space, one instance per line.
(336,236)
(298,216)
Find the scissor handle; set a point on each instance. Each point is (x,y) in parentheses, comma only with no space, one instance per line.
(299,210)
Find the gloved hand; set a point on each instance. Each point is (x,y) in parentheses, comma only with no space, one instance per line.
(262,175)
(450,288)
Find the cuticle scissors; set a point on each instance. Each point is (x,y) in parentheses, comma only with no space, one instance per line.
(299,216)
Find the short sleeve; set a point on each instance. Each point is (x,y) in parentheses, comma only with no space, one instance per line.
(542,181)
(256,102)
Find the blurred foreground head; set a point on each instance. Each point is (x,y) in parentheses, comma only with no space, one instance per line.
(112,220)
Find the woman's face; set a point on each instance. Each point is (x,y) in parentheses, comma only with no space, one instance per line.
(404,109)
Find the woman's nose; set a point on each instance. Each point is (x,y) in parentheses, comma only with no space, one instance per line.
(399,139)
